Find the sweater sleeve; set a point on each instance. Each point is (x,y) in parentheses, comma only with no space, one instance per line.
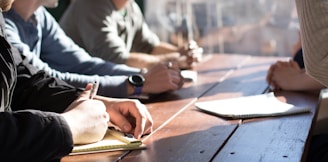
(32,135)
(63,59)
(61,53)
(36,89)
(313,17)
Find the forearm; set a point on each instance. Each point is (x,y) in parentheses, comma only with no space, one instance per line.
(109,86)
(307,83)
(164,48)
(38,90)
(142,60)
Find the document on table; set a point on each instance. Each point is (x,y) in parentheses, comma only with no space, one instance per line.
(263,105)
(114,140)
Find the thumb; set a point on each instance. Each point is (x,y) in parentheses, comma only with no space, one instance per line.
(87,91)
(83,96)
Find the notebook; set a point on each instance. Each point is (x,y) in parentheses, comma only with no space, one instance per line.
(113,140)
(263,105)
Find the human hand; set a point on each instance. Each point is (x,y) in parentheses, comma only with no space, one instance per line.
(87,118)
(129,115)
(162,77)
(190,53)
(284,75)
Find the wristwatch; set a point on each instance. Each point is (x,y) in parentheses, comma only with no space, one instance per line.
(137,81)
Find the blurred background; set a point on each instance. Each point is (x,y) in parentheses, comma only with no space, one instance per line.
(255,27)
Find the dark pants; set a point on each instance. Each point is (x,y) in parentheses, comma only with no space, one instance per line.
(318,149)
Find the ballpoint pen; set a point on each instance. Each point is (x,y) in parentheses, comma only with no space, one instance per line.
(94,89)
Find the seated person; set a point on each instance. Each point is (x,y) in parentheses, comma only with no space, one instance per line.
(313,24)
(37,35)
(116,31)
(38,113)
(315,49)
(291,75)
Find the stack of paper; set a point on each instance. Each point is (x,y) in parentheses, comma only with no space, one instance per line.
(250,107)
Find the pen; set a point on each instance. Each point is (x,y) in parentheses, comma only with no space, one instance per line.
(94,89)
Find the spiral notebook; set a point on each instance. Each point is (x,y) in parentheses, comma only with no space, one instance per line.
(263,105)
(114,140)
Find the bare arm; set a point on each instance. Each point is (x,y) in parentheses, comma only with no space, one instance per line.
(165,52)
(288,76)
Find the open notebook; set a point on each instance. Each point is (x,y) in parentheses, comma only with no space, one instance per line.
(114,140)
(250,107)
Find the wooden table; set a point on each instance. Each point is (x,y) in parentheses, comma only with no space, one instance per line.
(182,133)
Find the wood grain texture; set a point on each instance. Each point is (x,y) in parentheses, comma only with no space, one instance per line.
(182,133)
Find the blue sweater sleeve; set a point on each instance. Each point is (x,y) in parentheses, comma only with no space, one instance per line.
(59,56)
(63,54)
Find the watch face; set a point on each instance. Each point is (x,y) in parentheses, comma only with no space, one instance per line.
(136,80)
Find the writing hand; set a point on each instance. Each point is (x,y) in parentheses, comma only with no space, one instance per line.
(129,115)
(87,118)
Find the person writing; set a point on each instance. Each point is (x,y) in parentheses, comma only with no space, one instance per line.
(116,31)
(314,49)
(314,25)
(43,117)
(291,75)
(37,35)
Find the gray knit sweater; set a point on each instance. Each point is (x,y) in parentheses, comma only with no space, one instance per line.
(313,16)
